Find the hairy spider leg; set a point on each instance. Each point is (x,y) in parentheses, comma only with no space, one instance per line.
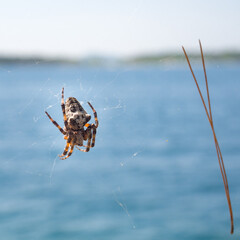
(93,128)
(70,152)
(95,114)
(93,135)
(56,124)
(63,110)
(67,147)
(88,136)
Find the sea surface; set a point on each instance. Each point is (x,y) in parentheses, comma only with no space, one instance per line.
(153,173)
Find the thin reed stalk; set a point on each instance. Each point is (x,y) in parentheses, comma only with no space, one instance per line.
(210,119)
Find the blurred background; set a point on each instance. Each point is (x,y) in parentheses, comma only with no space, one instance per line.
(153,173)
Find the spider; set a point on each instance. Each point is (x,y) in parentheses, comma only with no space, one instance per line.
(75,119)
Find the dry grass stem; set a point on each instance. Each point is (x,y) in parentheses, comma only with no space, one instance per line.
(210,119)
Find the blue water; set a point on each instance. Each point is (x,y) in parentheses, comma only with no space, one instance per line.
(153,173)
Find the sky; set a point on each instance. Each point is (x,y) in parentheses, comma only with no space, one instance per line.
(120,28)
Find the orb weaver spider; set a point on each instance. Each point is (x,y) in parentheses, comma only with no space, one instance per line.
(75,119)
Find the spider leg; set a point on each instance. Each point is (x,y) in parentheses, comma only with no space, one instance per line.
(70,152)
(95,114)
(56,124)
(63,110)
(87,131)
(81,146)
(67,147)
(93,135)
(78,148)
(93,127)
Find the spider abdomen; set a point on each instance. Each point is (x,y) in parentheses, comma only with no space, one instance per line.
(77,117)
